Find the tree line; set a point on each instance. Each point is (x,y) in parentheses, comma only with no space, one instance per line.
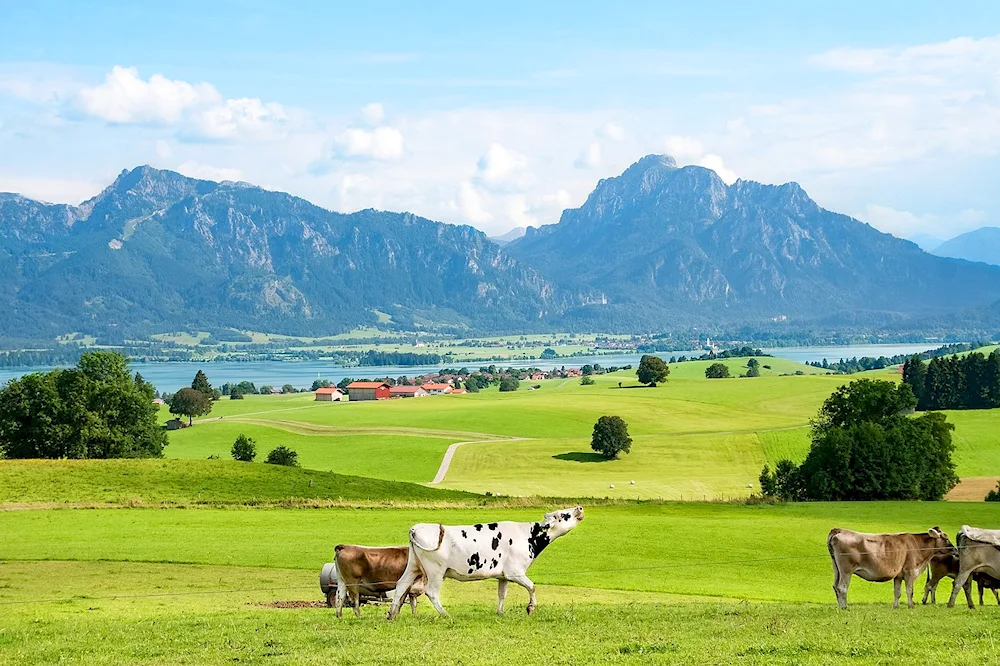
(955,382)
(852,365)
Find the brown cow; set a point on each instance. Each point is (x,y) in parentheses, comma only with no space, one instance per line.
(883,557)
(362,570)
(941,566)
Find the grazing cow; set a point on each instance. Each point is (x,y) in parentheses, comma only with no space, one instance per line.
(978,551)
(362,570)
(883,557)
(941,566)
(476,552)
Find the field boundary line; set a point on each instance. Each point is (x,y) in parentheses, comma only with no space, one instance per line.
(312,429)
(450,454)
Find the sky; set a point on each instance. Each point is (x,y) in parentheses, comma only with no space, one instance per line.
(504,114)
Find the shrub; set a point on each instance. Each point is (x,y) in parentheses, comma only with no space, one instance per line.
(235,394)
(611,437)
(509,383)
(244,449)
(587,380)
(282,455)
(717,371)
(994,495)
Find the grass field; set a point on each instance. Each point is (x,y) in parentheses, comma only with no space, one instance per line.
(627,586)
(693,438)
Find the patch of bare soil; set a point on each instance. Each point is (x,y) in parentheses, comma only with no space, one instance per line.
(292,604)
(972,489)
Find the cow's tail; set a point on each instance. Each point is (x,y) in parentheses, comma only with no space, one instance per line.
(413,539)
(833,558)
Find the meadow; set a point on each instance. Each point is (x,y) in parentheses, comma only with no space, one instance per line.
(693,438)
(686,582)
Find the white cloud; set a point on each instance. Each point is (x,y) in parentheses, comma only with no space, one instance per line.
(904,224)
(611,132)
(126,98)
(373,113)
(164,150)
(501,168)
(591,157)
(381,143)
(936,58)
(52,190)
(207,172)
(687,150)
(471,205)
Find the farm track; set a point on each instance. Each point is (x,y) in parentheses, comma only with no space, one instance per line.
(450,454)
(306,428)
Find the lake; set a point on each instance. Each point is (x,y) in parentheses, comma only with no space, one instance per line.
(170,376)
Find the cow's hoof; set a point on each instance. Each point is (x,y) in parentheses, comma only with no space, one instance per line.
(530,609)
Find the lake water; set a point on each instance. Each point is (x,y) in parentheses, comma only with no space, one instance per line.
(170,376)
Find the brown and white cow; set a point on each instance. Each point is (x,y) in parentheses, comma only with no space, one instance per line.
(978,551)
(363,570)
(883,557)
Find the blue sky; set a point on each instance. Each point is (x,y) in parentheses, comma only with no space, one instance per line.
(502,115)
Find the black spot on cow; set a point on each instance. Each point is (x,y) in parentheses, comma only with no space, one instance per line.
(511,542)
(479,527)
(493,526)
(470,571)
(564,516)
(464,535)
(538,540)
(474,561)
(496,542)
(494,565)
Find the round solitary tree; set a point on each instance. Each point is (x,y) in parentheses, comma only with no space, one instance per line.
(190,402)
(611,437)
(244,449)
(282,455)
(717,371)
(652,370)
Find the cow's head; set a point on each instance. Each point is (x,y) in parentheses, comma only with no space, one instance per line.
(942,545)
(562,521)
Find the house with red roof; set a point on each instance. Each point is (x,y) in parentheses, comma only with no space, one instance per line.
(437,389)
(408,392)
(328,394)
(368,391)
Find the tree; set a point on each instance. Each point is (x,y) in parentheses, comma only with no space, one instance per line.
(652,370)
(200,383)
(587,380)
(994,495)
(95,410)
(753,363)
(190,402)
(768,484)
(509,383)
(915,376)
(235,393)
(611,437)
(717,371)
(471,385)
(587,370)
(282,455)
(321,383)
(456,385)
(865,401)
(753,370)
(548,353)
(244,449)
(288,388)
(344,383)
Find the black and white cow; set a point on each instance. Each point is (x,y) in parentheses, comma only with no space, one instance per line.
(476,552)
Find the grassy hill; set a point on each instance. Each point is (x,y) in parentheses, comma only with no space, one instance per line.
(152,482)
(693,437)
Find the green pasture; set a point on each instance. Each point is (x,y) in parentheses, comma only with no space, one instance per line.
(396,457)
(30,483)
(693,438)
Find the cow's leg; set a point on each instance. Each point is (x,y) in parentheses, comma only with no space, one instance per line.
(341,597)
(897,589)
(356,594)
(501,595)
(841,584)
(979,584)
(433,589)
(997,595)
(962,581)
(909,591)
(406,581)
(413,604)
(526,583)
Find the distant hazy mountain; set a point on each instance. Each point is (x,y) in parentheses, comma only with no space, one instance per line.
(980,245)
(157,250)
(511,235)
(927,242)
(666,243)
(655,248)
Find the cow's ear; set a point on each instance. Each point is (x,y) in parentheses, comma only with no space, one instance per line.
(935,531)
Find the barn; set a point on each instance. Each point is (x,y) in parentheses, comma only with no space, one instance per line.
(437,389)
(407,392)
(368,391)
(329,394)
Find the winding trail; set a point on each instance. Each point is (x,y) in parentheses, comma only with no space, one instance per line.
(450,453)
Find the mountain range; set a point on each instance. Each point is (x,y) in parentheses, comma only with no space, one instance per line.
(982,244)
(657,247)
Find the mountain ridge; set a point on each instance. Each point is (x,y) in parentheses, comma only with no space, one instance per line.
(982,245)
